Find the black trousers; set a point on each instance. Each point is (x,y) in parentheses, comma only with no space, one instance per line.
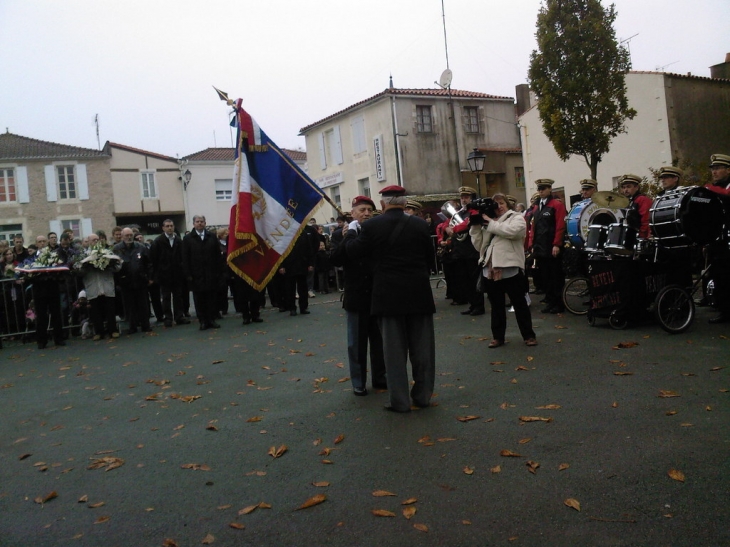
(296,284)
(137,312)
(172,301)
(551,271)
(102,310)
(155,301)
(205,306)
(47,299)
(514,287)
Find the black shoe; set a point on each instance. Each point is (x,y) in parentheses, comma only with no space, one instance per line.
(360,391)
(305,312)
(257,320)
(168,323)
(722,318)
(246,321)
(293,313)
(380,385)
(182,321)
(421,405)
(477,312)
(393,409)
(546,309)
(466,312)
(214,325)
(557,309)
(204,326)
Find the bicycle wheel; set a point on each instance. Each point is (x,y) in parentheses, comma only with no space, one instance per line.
(576,296)
(675,309)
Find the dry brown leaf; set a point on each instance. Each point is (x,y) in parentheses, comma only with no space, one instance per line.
(237,525)
(325,451)
(108,462)
(548,407)
(97,504)
(532,466)
(340,438)
(83,499)
(626,345)
(524,441)
(382,493)
(421,527)
(169,543)
(321,484)
(207,540)
(102,519)
(535,419)
(382,513)
(676,475)
(409,501)
(311,502)
(466,522)
(248,510)
(563,466)
(468,470)
(222,507)
(277,452)
(46,498)
(670,412)
(446,439)
(496,469)
(408,512)
(666,394)
(317,442)
(327,462)
(255,419)
(264,505)
(24,456)
(573,503)
(509,454)
(623,373)
(467,418)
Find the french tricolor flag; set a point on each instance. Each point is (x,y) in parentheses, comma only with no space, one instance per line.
(272,201)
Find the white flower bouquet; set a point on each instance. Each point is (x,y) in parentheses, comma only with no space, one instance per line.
(45,261)
(98,257)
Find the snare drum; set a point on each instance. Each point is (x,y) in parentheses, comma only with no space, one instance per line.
(690,214)
(621,239)
(596,239)
(585,214)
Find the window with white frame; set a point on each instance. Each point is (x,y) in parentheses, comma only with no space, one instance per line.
(359,144)
(9,231)
(364,186)
(149,185)
(73,224)
(335,195)
(424,122)
(7,185)
(223,189)
(66,182)
(471,119)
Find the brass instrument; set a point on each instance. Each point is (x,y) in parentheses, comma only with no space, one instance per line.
(454,217)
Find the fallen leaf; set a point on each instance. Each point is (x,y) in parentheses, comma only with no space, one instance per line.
(320,484)
(222,507)
(102,519)
(277,452)
(48,497)
(496,469)
(467,418)
(623,373)
(676,475)
(108,462)
(670,412)
(169,543)
(408,512)
(248,510)
(573,503)
(382,493)
(626,345)
(468,470)
(532,466)
(207,540)
(83,499)
(409,501)
(548,407)
(24,456)
(524,441)
(421,527)
(382,513)
(311,502)
(535,419)
(563,466)
(509,454)
(339,438)
(446,439)
(264,505)
(666,394)
(96,505)
(211,427)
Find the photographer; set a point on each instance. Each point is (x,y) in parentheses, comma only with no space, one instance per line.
(498,233)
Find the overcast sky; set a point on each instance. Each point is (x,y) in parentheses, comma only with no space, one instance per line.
(146,67)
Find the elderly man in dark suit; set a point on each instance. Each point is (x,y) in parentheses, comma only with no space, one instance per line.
(201,264)
(361,326)
(399,247)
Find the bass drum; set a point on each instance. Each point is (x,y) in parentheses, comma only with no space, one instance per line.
(584,214)
(691,214)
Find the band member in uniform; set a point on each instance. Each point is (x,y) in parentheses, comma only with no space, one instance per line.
(412,208)
(639,204)
(548,233)
(466,258)
(718,252)
(588,187)
(669,179)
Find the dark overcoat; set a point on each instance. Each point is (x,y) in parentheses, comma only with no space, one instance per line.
(358,277)
(401,283)
(201,261)
(167,260)
(301,257)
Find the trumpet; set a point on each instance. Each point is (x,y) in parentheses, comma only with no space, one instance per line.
(454,217)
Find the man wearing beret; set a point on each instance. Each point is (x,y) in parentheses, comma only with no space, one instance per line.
(466,259)
(718,252)
(361,325)
(669,179)
(548,233)
(639,204)
(398,245)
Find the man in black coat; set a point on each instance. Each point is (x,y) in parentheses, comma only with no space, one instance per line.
(201,265)
(134,278)
(166,255)
(399,245)
(295,267)
(361,326)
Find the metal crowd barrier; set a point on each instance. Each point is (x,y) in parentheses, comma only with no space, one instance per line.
(17,316)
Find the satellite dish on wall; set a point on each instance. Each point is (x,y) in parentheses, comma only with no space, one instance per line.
(445,80)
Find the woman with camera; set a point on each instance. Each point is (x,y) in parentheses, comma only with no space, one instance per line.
(498,233)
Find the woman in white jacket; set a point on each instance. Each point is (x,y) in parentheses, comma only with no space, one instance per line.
(500,242)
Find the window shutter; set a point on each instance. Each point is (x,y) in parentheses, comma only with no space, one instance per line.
(21,181)
(55,226)
(337,152)
(322,156)
(82,181)
(86,228)
(51,190)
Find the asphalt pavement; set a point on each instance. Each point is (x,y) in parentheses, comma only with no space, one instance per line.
(251,435)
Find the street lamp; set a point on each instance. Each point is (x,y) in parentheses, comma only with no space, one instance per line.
(475,160)
(184,177)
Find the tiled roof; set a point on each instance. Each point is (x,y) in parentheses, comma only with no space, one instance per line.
(15,147)
(227,154)
(440,93)
(681,76)
(505,150)
(212,154)
(139,151)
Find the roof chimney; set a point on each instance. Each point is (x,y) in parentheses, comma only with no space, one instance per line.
(722,70)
